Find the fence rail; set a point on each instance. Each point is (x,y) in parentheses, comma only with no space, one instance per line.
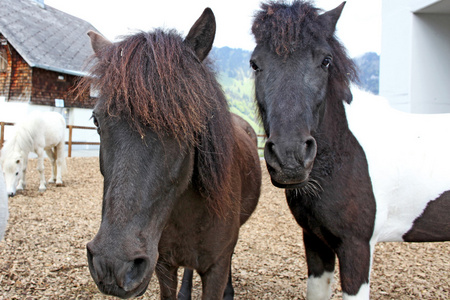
(69,142)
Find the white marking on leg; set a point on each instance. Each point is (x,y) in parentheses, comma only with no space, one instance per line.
(319,288)
(363,293)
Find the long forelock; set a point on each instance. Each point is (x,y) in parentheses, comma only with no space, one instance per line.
(155,80)
(285,28)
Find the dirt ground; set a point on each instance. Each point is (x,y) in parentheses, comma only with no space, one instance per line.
(43,255)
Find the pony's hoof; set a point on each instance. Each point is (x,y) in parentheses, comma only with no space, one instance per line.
(42,190)
(59,184)
(51,181)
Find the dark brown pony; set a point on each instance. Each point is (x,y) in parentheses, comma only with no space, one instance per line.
(246,126)
(180,177)
(355,171)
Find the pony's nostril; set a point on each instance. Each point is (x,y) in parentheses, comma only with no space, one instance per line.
(94,264)
(135,273)
(270,147)
(271,156)
(310,151)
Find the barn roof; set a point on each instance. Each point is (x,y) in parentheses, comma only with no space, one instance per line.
(45,37)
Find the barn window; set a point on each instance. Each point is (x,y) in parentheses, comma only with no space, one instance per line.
(61,77)
(3,60)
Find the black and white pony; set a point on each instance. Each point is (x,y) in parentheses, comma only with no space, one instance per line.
(355,174)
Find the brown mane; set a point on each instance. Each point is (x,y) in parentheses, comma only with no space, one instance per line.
(286,28)
(154,80)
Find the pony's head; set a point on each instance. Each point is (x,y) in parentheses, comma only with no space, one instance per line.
(299,66)
(164,128)
(12,163)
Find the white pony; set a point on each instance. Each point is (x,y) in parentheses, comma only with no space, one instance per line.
(38,132)
(3,205)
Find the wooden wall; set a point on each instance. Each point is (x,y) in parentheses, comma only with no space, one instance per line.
(15,84)
(48,86)
(21,83)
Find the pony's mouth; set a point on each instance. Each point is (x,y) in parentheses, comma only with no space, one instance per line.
(116,291)
(290,179)
(309,187)
(298,185)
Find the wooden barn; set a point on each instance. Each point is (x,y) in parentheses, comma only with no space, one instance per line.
(43,52)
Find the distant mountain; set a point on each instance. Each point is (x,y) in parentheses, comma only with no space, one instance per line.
(369,71)
(236,78)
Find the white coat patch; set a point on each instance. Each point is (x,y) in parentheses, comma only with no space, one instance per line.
(408,158)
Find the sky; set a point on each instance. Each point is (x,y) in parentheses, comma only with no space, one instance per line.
(359,27)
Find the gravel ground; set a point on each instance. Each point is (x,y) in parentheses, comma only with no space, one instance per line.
(43,255)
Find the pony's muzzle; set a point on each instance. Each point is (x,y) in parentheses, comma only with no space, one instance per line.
(117,277)
(290,162)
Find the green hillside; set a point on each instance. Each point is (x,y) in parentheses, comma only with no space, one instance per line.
(236,78)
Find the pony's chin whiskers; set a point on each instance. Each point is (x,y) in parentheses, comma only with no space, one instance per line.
(312,188)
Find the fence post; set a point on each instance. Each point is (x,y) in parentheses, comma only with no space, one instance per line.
(2,134)
(69,154)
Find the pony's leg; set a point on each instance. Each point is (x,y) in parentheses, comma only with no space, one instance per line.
(40,168)
(320,260)
(51,156)
(60,163)
(23,182)
(215,279)
(186,285)
(228,294)
(167,277)
(354,265)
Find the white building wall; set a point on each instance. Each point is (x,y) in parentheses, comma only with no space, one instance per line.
(395,56)
(430,73)
(414,64)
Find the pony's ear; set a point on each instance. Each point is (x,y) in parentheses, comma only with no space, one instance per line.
(98,41)
(330,18)
(201,36)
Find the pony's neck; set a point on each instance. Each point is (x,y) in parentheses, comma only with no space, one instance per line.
(334,125)
(23,139)
(332,140)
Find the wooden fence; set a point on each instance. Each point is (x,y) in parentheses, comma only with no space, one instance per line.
(69,142)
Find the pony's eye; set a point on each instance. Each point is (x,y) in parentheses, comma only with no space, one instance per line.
(17,173)
(94,119)
(254,66)
(326,62)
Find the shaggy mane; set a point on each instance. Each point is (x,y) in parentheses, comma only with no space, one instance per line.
(286,28)
(155,80)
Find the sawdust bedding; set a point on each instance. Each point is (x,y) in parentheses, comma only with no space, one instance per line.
(43,255)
